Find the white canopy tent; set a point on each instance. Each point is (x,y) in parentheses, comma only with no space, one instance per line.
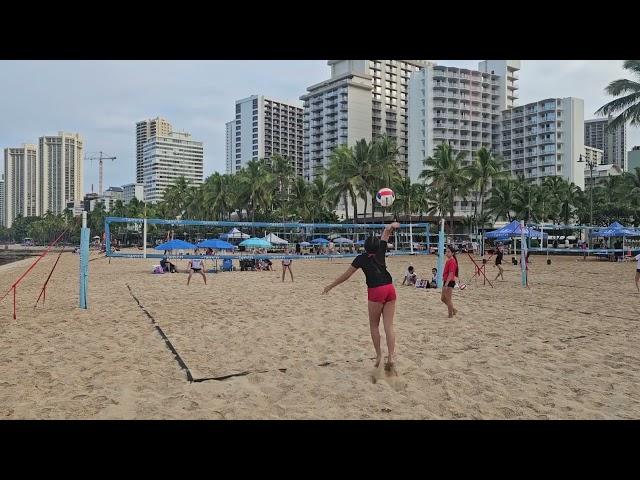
(275,240)
(234,233)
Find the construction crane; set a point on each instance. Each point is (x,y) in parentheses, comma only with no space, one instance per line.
(100,159)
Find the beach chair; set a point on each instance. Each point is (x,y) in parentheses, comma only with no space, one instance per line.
(227,265)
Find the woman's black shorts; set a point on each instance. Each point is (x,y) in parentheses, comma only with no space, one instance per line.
(451,284)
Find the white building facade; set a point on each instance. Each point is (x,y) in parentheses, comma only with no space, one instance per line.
(61,171)
(21,183)
(131,191)
(166,159)
(544,138)
(613,144)
(363,99)
(2,200)
(145,130)
(264,127)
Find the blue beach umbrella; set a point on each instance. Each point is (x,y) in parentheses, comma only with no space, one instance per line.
(342,241)
(175,245)
(216,244)
(255,242)
(319,241)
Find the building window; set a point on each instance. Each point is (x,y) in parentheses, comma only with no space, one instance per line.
(255,135)
(238,155)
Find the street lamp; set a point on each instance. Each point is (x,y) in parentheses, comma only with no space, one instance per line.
(591,164)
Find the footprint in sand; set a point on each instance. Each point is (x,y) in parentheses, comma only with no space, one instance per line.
(393,379)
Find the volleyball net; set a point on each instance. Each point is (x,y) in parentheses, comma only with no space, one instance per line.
(138,237)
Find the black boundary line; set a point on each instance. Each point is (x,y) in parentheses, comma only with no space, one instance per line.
(164,337)
(183,365)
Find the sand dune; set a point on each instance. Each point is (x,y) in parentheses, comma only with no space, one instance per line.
(564,348)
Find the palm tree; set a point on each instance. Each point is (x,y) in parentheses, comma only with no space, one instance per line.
(283,173)
(324,201)
(384,171)
(364,156)
(627,107)
(257,181)
(343,177)
(445,172)
(499,204)
(483,171)
(175,197)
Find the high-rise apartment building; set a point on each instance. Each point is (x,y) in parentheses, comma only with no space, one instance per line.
(131,191)
(507,71)
(264,127)
(2,200)
(458,106)
(22,182)
(543,139)
(145,130)
(229,140)
(363,99)
(633,159)
(166,159)
(613,144)
(60,168)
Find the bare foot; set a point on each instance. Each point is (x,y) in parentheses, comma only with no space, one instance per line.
(378,359)
(455,311)
(450,316)
(390,369)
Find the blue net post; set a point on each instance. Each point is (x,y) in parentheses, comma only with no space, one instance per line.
(427,235)
(523,254)
(107,237)
(84,262)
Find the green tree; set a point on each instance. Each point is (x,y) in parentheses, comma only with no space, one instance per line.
(445,173)
(627,107)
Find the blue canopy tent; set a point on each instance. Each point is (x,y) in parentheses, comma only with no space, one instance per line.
(514,229)
(175,245)
(305,244)
(615,230)
(319,241)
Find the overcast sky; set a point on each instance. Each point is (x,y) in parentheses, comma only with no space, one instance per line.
(102,100)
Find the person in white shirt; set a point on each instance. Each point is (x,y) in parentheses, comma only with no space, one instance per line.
(410,277)
(637,257)
(196,265)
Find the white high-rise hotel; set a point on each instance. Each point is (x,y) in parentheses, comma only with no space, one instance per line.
(168,157)
(145,130)
(61,159)
(21,183)
(458,106)
(264,127)
(545,138)
(43,178)
(362,99)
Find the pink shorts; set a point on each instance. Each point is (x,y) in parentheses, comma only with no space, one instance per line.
(382,294)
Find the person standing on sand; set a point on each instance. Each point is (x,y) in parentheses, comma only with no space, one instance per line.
(196,265)
(499,256)
(381,292)
(286,265)
(449,275)
(637,257)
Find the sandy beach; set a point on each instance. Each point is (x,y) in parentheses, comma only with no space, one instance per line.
(565,348)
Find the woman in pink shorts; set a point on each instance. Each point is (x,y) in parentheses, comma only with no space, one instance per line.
(381,292)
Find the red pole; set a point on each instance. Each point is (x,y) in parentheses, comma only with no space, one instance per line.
(14,302)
